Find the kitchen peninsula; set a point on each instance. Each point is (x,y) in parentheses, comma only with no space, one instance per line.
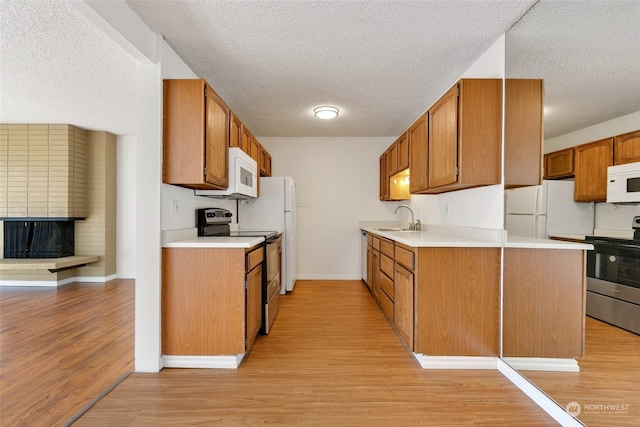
(440,289)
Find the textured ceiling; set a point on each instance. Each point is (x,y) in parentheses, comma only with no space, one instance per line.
(381,62)
(588,54)
(57,67)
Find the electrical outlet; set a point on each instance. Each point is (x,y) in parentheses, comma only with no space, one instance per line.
(174,207)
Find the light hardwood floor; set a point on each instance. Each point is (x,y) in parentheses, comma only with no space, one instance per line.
(331,359)
(61,347)
(609,375)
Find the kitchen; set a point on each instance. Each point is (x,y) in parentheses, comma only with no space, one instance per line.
(322,201)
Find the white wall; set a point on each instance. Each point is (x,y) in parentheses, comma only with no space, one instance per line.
(608,216)
(607,129)
(476,207)
(337,185)
(126,207)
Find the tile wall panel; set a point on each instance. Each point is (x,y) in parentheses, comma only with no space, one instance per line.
(4,168)
(18,159)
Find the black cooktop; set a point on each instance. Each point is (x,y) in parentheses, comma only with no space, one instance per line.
(634,243)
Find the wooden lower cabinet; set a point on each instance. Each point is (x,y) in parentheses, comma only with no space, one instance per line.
(457,302)
(544,303)
(441,301)
(403,304)
(206,310)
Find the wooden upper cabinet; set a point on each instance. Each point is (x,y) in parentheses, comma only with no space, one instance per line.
(419,156)
(245,143)
(523,132)
(465,136)
(217,140)
(591,162)
(443,140)
(403,152)
(235,132)
(392,160)
(254,149)
(196,131)
(265,162)
(559,164)
(384,176)
(627,148)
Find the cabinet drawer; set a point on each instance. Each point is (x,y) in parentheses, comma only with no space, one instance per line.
(386,265)
(376,243)
(387,306)
(369,239)
(386,247)
(386,285)
(254,258)
(405,257)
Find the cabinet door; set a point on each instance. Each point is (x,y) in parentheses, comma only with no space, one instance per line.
(384,176)
(253,304)
(591,162)
(443,140)
(419,155)
(265,162)
(216,140)
(627,148)
(523,132)
(245,144)
(403,305)
(375,256)
(369,280)
(403,152)
(254,149)
(392,160)
(235,132)
(559,164)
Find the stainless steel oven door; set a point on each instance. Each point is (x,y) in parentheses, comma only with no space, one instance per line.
(273,285)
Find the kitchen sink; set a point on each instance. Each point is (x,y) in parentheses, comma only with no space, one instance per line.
(392,229)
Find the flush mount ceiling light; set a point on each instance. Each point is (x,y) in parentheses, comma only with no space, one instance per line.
(325,112)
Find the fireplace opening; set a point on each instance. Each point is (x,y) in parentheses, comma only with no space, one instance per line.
(39,239)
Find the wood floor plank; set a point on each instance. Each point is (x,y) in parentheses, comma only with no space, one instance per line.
(330,359)
(609,375)
(59,348)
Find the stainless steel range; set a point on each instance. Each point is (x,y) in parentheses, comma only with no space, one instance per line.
(216,222)
(613,280)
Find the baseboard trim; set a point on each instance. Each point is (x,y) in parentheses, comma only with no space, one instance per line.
(547,404)
(456,362)
(58,283)
(209,362)
(542,364)
(312,277)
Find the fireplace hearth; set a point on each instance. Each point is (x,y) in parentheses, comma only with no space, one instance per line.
(38,239)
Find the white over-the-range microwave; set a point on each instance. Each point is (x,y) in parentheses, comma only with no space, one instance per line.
(623,183)
(243,178)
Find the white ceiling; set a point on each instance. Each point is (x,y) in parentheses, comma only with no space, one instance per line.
(587,52)
(383,63)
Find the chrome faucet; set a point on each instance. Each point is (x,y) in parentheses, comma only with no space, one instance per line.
(412,225)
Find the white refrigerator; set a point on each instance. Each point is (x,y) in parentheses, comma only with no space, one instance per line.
(274,209)
(541,210)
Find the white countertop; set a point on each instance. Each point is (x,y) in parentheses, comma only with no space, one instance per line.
(574,237)
(532,243)
(455,236)
(188,238)
(441,236)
